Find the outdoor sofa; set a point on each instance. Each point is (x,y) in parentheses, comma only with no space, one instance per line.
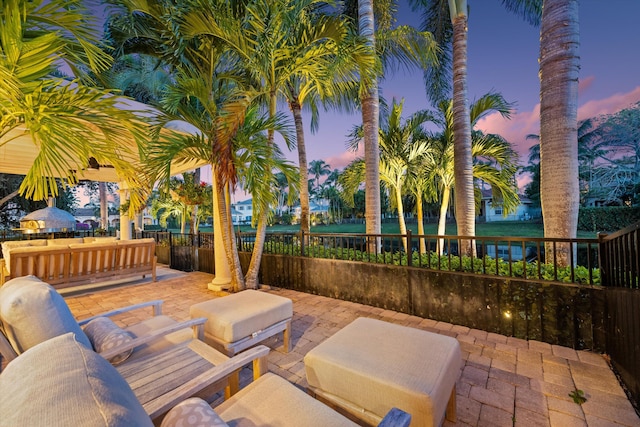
(76,261)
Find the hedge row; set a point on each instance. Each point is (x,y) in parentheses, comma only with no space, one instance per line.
(607,219)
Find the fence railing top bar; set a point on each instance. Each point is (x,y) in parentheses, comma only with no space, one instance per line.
(627,230)
(436,236)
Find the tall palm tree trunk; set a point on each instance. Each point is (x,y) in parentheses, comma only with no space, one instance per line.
(559,65)
(463,162)
(370,123)
(305,225)
(442,221)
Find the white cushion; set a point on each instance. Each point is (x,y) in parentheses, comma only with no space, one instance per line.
(12,244)
(31,312)
(63,383)
(273,401)
(238,316)
(154,323)
(375,366)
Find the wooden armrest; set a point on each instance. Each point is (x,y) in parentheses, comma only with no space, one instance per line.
(257,355)
(396,418)
(158,333)
(3,271)
(157,310)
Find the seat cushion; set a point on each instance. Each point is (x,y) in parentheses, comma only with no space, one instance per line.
(62,383)
(370,366)
(273,401)
(154,323)
(237,316)
(31,312)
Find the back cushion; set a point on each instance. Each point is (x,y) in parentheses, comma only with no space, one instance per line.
(31,312)
(8,246)
(62,383)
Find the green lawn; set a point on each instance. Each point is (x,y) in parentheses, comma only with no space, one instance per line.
(502,228)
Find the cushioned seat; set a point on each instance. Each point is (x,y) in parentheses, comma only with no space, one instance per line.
(238,321)
(60,382)
(370,366)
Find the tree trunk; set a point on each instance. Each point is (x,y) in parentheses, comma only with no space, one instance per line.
(370,119)
(9,196)
(251,279)
(104,208)
(401,221)
(226,227)
(305,224)
(559,65)
(463,161)
(442,221)
(193,225)
(420,215)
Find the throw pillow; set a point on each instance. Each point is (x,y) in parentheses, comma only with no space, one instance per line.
(105,335)
(193,412)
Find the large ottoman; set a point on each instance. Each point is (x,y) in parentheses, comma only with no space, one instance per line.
(239,321)
(371,366)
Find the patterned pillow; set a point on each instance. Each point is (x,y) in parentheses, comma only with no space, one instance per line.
(104,335)
(193,412)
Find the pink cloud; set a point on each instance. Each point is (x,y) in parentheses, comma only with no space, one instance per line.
(523,123)
(609,105)
(585,84)
(343,159)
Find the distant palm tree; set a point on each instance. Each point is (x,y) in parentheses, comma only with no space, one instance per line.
(319,168)
(499,172)
(402,144)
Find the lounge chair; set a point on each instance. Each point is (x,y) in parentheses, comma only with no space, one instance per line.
(60,382)
(32,311)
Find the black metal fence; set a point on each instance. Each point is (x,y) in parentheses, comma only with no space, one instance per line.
(620,254)
(494,256)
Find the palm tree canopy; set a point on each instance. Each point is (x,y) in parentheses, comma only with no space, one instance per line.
(68,122)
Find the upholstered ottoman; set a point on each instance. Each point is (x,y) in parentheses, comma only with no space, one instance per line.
(239,321)
(371,366)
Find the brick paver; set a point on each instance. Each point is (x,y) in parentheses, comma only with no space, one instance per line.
(505,381)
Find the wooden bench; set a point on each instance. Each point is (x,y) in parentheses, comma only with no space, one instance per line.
(81,263)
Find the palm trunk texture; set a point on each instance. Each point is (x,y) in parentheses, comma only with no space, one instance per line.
(305,225)
(463,162)
(559,65)
(370,119)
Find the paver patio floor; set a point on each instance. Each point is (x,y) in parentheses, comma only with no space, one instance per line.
(504,381)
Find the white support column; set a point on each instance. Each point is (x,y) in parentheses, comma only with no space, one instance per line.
(223,274)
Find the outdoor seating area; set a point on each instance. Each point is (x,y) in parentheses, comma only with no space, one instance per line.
(495,380)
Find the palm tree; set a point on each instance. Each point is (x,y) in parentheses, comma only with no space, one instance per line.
(499,172)
(402,144)
(448,21)
(402,45)
(559,187)
(319,168)
(63,117)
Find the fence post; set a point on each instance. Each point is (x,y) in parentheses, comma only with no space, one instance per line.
(409,249)
(604,259)
(302,243)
